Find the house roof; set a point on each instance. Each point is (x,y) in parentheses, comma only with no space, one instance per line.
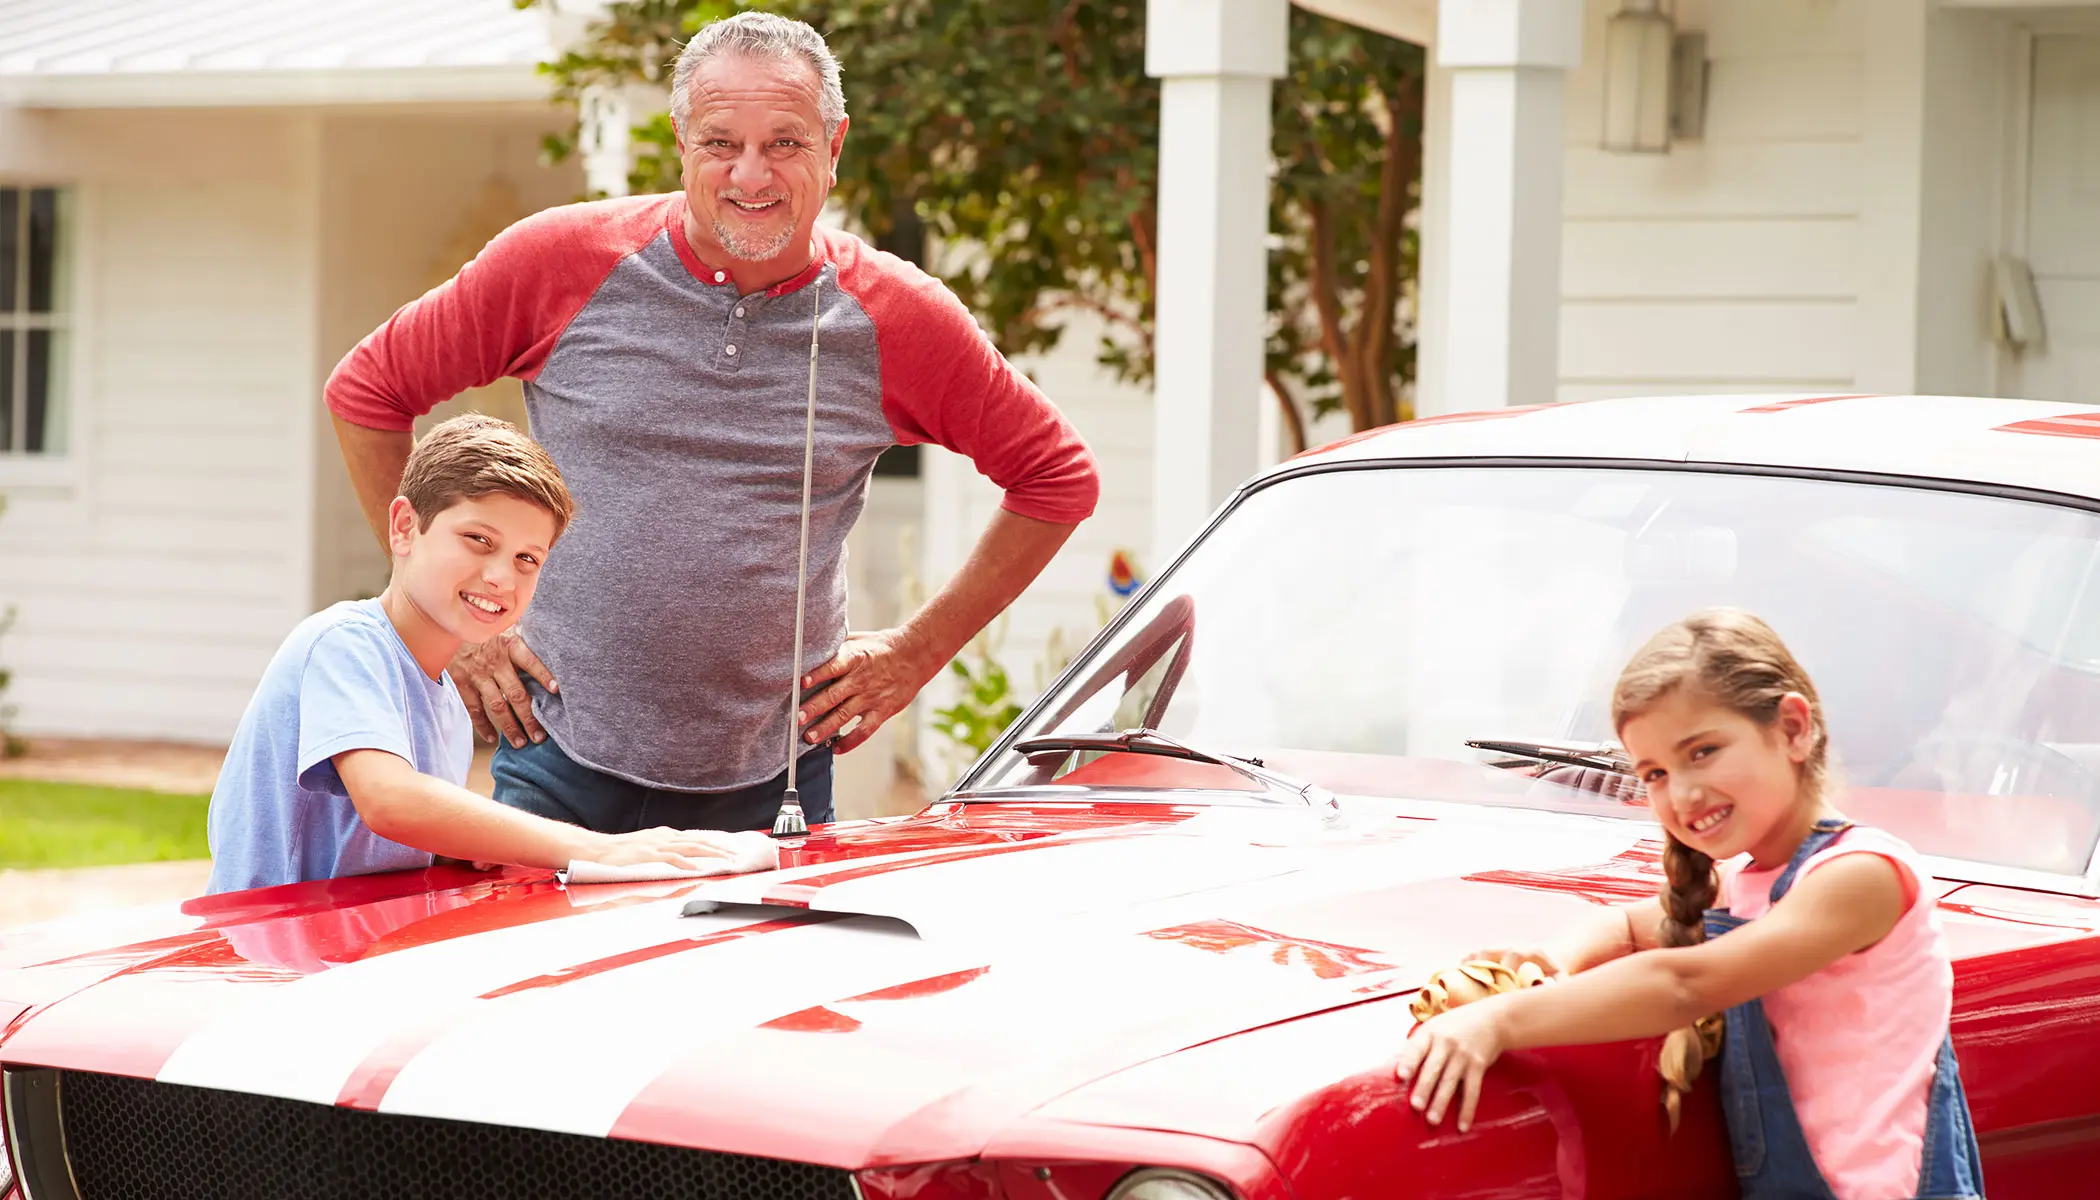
(104,53)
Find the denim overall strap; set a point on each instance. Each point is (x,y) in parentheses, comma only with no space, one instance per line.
(1825,832)
(1772,1158)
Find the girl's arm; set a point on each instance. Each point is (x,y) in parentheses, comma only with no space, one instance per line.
(1844,906)
(1614,932)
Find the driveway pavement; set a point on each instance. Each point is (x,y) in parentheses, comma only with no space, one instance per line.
(27,897)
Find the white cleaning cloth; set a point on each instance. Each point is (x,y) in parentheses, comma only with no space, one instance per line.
(747,852)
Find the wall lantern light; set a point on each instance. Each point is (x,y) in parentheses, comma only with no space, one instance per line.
(1654,80)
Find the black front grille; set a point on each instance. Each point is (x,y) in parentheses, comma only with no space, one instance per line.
(133,1139)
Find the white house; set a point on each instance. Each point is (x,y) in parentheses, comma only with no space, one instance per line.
(240,191)
(241,188)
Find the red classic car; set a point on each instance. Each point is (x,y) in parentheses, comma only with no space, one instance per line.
(1159,943)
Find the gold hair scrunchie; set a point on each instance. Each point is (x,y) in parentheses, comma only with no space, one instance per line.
(1476,979)
(1685,1051)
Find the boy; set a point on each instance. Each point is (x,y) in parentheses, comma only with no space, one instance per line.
(353,753)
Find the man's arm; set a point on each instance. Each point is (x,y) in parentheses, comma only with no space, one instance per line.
(943,382)
(879,673)
(401,804)
(374,458)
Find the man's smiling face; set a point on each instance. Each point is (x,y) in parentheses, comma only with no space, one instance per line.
(757,163)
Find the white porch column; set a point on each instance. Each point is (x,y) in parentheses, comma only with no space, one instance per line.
(1492,212)
(605,139)
(1215,60)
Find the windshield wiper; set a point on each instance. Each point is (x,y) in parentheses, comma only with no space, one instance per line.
(1151,741)
(1597,756)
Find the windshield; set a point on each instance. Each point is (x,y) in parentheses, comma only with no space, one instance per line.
(1357,628)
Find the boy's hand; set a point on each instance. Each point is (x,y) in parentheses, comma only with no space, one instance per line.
(678,847)
(1449,1054)
(488,680)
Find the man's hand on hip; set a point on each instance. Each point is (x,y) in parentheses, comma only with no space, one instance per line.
(873,677)
(488,680)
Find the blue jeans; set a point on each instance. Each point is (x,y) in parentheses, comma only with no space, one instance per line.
(541,779)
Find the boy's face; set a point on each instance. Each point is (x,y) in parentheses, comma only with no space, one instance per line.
(472,572)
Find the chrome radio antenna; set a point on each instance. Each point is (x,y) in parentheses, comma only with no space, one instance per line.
(789,821)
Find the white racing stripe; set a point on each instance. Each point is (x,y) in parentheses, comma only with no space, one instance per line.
(590,1045)
(752,889)
(302,1040)
(1149,880)
(1056,881)
(920,1078)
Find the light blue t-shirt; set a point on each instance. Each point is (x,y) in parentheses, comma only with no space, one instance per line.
(342,681)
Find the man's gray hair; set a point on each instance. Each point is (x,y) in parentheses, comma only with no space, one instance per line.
(761,35)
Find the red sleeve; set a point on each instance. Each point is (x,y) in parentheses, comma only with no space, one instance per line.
(500,316)
(943,382)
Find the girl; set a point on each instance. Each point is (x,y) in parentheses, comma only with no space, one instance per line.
(1838,1077)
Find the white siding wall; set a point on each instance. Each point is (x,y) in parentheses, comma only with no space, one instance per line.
(1116,420)
(1732,262)
(1968,164)
(1834,226)
(405,200)
(155,582)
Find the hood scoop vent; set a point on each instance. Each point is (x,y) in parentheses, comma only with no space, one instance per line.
(795,914)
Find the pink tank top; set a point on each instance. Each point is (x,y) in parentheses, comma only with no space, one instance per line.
(1858,1039)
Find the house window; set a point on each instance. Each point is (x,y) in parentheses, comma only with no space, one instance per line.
(907,240)
(35,318)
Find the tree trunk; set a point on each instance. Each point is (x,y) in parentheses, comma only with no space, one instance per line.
(1293,417)
(1362,350)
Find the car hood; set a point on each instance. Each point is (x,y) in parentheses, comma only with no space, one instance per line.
(895,993)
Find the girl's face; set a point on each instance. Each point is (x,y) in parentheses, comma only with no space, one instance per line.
(1718,781)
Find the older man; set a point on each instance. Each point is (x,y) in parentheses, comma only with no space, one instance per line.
(663,342)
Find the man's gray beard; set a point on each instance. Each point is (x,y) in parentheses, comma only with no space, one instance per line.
(739,248)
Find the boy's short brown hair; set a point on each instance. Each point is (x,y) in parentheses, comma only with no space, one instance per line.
(475,455)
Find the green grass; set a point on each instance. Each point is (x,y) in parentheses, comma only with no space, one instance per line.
(76,825)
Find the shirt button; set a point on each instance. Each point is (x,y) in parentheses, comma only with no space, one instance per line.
(729,349)
(719,276)
(740,310)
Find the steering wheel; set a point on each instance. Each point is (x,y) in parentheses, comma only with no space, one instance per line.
(1175,622)
(1982,764)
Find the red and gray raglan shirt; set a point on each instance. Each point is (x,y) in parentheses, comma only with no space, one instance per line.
(674,407)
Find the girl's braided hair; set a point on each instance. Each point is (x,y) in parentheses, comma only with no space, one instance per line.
(1735,660)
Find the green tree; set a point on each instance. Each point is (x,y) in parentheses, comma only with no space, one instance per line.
(1028,129)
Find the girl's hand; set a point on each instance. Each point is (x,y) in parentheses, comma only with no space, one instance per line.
(1450,1054)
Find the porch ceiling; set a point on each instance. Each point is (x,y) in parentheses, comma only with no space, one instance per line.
(1409,20)
(96,53)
